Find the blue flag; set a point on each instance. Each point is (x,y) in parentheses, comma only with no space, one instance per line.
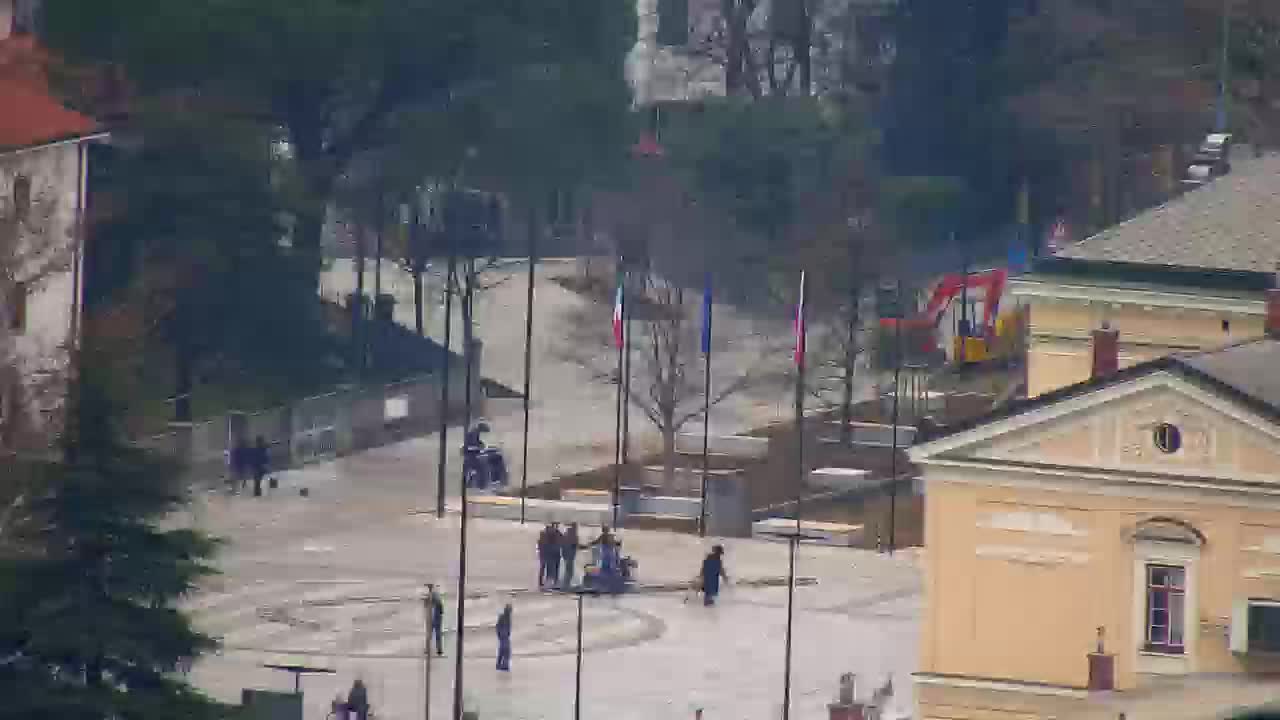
(706,316)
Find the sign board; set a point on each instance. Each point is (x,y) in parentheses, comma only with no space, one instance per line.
(396,408)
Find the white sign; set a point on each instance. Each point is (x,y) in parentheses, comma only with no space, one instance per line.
(396,408)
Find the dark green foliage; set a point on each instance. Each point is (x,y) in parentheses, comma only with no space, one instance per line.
(338,77)
(89,626)
(196,206)
(945,115)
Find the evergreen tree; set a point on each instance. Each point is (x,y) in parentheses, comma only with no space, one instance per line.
(89,585)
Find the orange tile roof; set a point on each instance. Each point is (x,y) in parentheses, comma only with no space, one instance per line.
(32,115)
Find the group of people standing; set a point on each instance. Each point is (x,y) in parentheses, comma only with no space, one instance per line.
(556,549)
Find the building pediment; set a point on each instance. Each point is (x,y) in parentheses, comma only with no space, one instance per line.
(1155,424)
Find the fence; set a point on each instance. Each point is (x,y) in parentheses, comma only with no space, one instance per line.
(321,427)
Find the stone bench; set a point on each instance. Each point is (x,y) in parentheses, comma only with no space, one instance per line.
(586,495)
(838,479)
(537,510)
(812,531)
(741,446)
(685,507)
(877,434)
(686,479)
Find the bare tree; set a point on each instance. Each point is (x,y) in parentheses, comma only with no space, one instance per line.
(667,375)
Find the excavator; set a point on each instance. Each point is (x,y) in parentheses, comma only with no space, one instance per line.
(990,340)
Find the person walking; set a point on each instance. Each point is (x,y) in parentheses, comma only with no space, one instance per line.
(503,629)
(259,461)
(569,553)
(544,540)
(554,538)
(436,603)
(712,572)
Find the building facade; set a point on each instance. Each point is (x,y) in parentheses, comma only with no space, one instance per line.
(43,181)
(1110,537)
(1187,275)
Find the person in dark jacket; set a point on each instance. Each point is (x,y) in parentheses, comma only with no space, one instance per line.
(554,538)
(569,553)
(358,700)
(503,629)
(712,572)
(543,549)
(258,462)
(436,604)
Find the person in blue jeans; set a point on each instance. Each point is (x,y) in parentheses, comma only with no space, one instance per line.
(436,605)
(504,639)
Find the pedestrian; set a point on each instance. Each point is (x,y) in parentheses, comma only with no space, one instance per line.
(358,700)
(259,460)
(544,539)
(712,572)
(436,603)
(554,538)
(568,553)
(503,629)
(606,547)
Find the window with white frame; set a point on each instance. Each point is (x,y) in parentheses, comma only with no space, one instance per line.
(1166,608)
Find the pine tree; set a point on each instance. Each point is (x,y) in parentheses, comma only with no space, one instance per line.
(89,622)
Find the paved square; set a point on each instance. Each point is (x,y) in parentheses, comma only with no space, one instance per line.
(307,581)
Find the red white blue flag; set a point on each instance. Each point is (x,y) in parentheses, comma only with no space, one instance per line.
(617,313)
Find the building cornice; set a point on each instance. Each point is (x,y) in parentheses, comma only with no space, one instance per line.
(1032,287)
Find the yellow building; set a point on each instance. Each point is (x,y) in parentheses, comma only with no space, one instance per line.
(1108,534)
(1187,275)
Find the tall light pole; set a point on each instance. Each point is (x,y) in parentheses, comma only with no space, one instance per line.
(1224,70)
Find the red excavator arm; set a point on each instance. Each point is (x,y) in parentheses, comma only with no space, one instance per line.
(992,281)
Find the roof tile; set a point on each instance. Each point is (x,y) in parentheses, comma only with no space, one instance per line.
(1232,223)
(32,115)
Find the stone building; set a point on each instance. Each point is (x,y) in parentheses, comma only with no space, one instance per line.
(43,196)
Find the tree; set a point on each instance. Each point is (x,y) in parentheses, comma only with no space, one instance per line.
(667,382)
(337,78)
(89,626)
(226,303)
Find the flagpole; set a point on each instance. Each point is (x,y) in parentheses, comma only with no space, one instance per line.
(625,455)
(528,360)
(706,403)
(620,304)
(800,363)
(893,454)
(443,461)
(795,539)
(467,341)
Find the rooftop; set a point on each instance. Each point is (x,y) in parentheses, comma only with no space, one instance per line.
(1243,371)
(1232,224)
(32,114)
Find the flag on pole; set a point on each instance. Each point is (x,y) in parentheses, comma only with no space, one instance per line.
(617,313)
(800,329)
(706,316)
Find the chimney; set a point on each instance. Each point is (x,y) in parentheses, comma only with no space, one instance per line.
(1106,352)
